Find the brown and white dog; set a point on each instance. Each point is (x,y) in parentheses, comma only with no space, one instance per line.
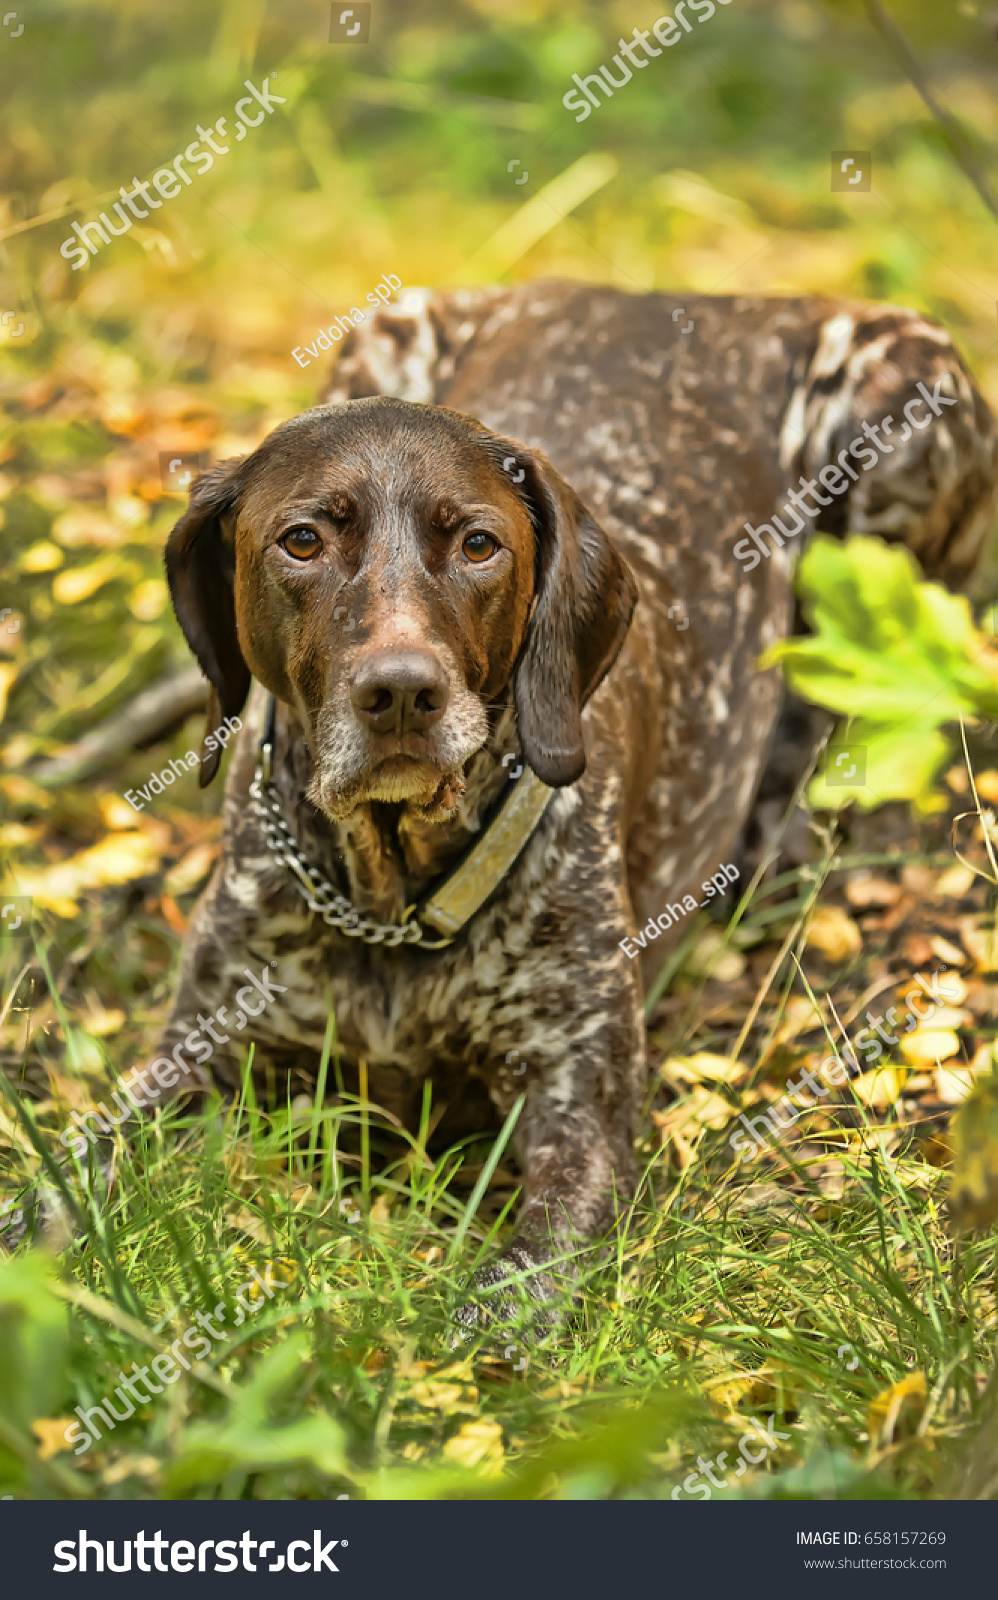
(428,591)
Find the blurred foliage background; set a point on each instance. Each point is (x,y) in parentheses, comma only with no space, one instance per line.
(439,152)
(394,157)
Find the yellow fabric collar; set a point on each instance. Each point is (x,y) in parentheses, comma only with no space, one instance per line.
(480,873)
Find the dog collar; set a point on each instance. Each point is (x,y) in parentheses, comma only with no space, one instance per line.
(451,905)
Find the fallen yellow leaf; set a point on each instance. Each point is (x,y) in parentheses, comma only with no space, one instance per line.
(51,1434)
(926,1046)
(43,557)
(476,1443)
(947,952)
(973,1197)
(707,959)
(701,1108)
(75,528)
(800,1016)
(878,1090)
(751,1390)
(79,583)
(987,785)
(953,1084)
(102,1022)
(703,1066)
(448,1390)
(130,1467)
(8,673)
(834,934)
(884,1412)
(954,883)
(119,858)
(980,940)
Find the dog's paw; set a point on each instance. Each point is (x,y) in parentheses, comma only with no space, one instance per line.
(512,1294)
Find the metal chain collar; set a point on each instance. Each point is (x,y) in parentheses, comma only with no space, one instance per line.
(334,908)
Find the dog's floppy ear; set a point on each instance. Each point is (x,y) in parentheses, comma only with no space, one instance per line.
(584,596)
(200,569)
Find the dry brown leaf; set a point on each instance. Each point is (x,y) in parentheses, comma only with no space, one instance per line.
(834,934)
(917,949)
(865,890)
(919,881)
(982,997)
(191,869)
(172,914)
(957,780)
(947,951)
(70,1092)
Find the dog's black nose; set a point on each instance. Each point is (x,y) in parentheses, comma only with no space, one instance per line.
(402,691)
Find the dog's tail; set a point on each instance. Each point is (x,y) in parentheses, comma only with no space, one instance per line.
(883,396)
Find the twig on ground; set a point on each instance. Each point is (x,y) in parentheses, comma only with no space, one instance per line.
(959,145)
(151,713)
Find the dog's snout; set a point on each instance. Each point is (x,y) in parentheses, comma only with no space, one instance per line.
(399,692)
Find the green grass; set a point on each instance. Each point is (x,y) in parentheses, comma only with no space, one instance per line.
(704,1311)
(180,336)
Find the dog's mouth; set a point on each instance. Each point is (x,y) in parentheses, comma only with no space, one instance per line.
(428,791)
(416,780)
(424,770)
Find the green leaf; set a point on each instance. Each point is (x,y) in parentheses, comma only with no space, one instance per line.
(900,763)
(34,1338)
(886,645)
(248,1439)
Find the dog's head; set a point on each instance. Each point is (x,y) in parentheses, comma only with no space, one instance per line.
(390,570)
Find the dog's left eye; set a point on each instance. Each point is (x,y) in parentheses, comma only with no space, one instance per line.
(302,543)
(480,546)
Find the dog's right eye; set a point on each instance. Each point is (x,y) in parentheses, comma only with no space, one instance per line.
(302,543)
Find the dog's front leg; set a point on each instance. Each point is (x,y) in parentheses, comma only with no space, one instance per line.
(574,1142)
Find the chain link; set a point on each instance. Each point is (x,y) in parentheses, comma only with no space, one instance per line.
(322,897)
